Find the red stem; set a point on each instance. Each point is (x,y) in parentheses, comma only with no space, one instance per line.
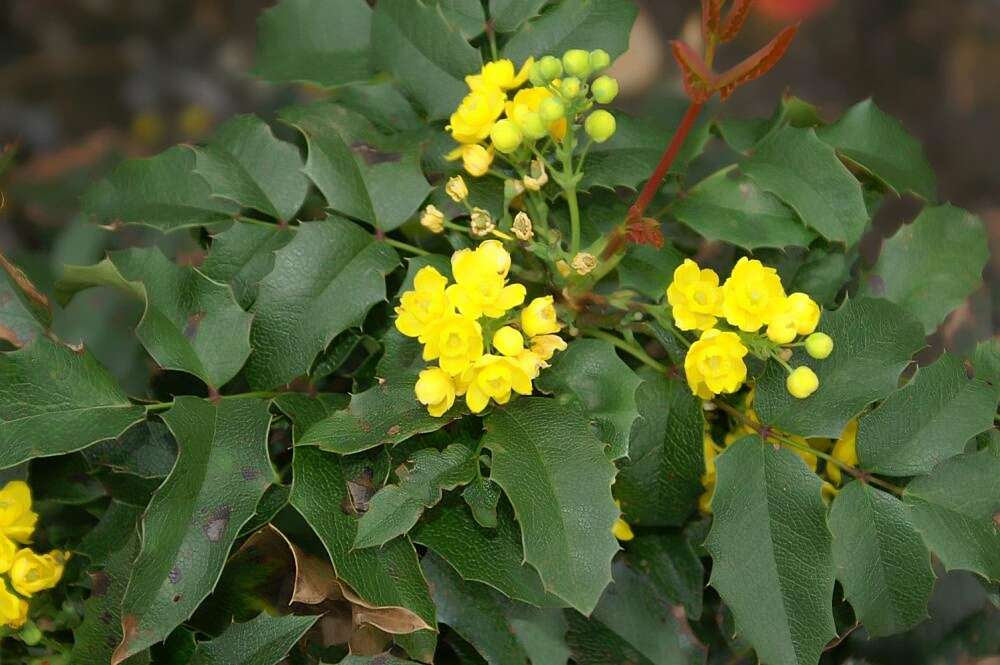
(676,143)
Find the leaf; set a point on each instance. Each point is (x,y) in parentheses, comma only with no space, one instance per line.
(771,552)
(265,640)
(301,306)
(24,311)
(474,613)
(879,144)
(396,508)
(558,479)
(509,15)
(583,24)
(873,342)
(428,56)
(931,265)
(147,450)
(384,193)
(881,561)
(381,659)
(246,164)
(116,526)
(385,414)
(955,509)
(381,103)
(162,191)
(697,76)
(193,519)
(305,411)
(805,173)
(482,496)
(986,362)
(731,208)
(660,483)
(243,255)
(590,375)
(927,421)
(56,400)
(756,65)
(649,270)
(465,15)
(672,566)
(385,577)
(186,314)
(492,556)
(632,624)
(315,41)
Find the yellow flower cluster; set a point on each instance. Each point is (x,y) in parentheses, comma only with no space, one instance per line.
(482,350)
(751,298)
(27,572)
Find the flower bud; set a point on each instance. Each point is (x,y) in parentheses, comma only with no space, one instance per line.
(819,345)
(576,62)
(476,159)
(570,87)
(549,68)
(508,341)
(532,126)
(599,59)
(551,110)
(432,219)
(506,136)
(522,227)
(802,382)
(456,189)
(605,89)
(600,126)
(481,224)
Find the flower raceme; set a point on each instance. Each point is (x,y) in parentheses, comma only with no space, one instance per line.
(484,350)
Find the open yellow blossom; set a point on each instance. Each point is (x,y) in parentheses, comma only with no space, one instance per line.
(800,316)
(480,287)
(545,346)
(845,450)
(476,115)
(530,100)
(621,529)
(13,610)
(695,297)
(7,551)
(494,377)
(422,307)
(539,317)
(17,520)
(475,158)
(31,572)
(499,75)
(455,341)
(435,389)
(714,364)
(753,295)
(531,362)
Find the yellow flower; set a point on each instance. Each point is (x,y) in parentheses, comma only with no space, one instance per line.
(545,346)
(695,297)
(539,317)
(802,382)
(456,189)
(421,308)
(753,295)
(845,450)
(508,341)
(499,75)
(708,478)
(480,287)
(17,521)
(31,572)
(455,341)
(7,551)
(531,362)
(714,364)
(475,158)
(494,377)
(800,316)
(621,530)
(13,610)
(435,389)
(432,219)
(476,115)
(530,100)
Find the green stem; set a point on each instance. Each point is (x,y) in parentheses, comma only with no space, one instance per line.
(456,227)
(405,247)
(574,220)
(634,350)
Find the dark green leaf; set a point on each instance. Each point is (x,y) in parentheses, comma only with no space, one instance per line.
(315,41)
(986,363)
(243,255)
(931,265)
(265,640)
(649,270)
(147,450)
(556,475)
(508,15)
(186,314)
(192,521)
(482,496)
(162,191)
(660,483)
(117,525)
(24,311)
(466,16)
(382,103)
(301,306)
(56,400)
(305,411)
(873,342)
(927,421)
(798,168)
(672,566)
(585,24)
(879,144)
(881,561)
(771,555)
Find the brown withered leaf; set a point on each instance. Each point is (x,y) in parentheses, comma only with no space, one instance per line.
(757,64)
(735,19)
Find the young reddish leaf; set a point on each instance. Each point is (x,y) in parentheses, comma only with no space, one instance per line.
(735,19)
(698,79)
(645,231)
(791,10)
(757,64)
(711,17)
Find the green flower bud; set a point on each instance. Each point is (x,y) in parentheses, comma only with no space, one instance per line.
(599,59)
(600,126)
(577,63)
(551,110)
(549,68)
(570,87)
(605,89)
(819,345)
(506,136)
(532,126)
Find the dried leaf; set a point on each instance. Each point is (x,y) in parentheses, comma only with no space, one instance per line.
(757,64)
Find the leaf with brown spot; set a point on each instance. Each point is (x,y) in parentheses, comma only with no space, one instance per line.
(757,64)
(24,312)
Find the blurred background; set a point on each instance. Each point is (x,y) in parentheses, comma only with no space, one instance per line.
(85,83)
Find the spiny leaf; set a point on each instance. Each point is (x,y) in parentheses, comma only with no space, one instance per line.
(264,640)
(243,255)
(24,311)
(670,564)
(509,15)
